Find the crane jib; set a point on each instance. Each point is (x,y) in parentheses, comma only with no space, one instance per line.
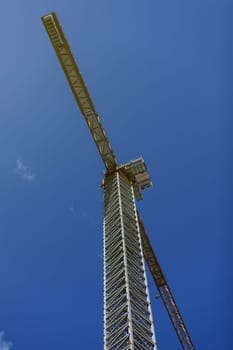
(79,90)
(164,290)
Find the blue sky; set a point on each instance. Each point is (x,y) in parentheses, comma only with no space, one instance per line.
(160,76)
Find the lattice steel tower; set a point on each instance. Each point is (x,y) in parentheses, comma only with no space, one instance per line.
(128,323)
(127,313)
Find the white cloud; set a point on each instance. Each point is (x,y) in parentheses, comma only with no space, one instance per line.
(25,172)
(4,345)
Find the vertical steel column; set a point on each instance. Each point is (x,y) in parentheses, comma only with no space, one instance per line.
(128,320)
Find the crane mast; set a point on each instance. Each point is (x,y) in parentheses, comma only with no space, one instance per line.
(128,322)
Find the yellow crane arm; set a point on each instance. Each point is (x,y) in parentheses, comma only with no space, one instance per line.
(164,290)
(79,90)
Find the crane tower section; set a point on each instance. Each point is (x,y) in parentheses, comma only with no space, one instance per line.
(128,320)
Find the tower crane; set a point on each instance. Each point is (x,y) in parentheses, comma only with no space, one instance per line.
(128,321)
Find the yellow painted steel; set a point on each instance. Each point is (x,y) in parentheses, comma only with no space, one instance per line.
(79,90)
(164,290)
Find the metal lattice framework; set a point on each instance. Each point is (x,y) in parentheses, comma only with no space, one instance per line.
(79,89)
(164,290)
(127,311)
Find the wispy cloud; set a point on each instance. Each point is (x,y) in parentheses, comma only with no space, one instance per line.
(25,172)
(83,214)
(73,211)
(4,345)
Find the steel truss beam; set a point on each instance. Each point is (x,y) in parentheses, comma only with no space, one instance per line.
(79,89)
(164,290)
